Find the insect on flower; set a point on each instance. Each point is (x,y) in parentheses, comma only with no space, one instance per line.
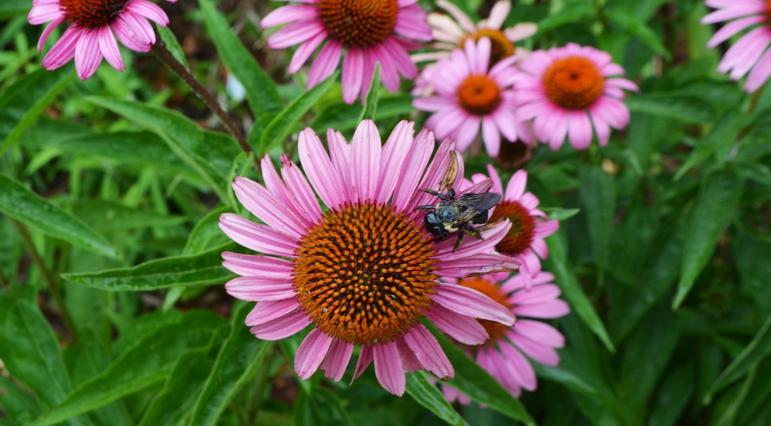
(455,214)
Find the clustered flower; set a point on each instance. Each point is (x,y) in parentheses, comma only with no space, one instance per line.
(340,248)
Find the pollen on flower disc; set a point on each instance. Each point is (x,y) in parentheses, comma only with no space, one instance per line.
(522,231)
(500,46)
(92,13)
(359,23)
(573,82)
(365,273)
(496,330)
(479,94)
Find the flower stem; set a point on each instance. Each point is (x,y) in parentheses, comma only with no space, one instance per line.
(165,56)
(51,282)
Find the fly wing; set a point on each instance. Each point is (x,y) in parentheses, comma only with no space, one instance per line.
(448,181)
(480,202)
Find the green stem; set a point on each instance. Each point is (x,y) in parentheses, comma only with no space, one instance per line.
(51,282)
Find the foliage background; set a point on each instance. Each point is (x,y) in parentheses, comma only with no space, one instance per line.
(663,253)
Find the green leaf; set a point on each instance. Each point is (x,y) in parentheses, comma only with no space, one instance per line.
(286,121)
(17,404)
(29,348)
(574,294)
(146,363)
(106,215)
(206,233)
(598,194)
(635,25)
(679,106)
(320,407)
(758,349)
(261,92)
(714,209)
(424,393)
(186,270)
(208,153)
(173,404)
(171,43)
(22,103)
(241,355)
(25,206)
(560,214)
(571,12)
(672,397)
(344,117)
(722,136)
(638,379)
(139,149)
(370,107)
(475,382)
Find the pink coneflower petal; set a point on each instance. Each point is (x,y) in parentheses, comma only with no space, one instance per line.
(87,54)
(746,56)
(388,368)
(282,327)
(257,289)
(288,14)
(247,265)
(257,237)
(149,10)
(109,48)
(428,352)
(502,353)
(325,64)
(337,359)
(469,303)
(304,52)
(64,49)
(365,359)
(269,310)
(460,327)
(311,353)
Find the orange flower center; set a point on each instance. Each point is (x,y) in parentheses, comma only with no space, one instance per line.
(359,23)
(479,94)
(92,13)
(573,82)
(365,274)
(496,330)
(501,47)
(522,231)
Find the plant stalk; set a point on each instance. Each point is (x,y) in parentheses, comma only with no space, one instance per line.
(164,55)
(51,282)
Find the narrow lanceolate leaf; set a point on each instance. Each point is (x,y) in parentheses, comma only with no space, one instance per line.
(475,382)
(286,121)
(241,355)
(673,105)
(148,362)
(598,194)
(208,153)
(29,348)
(758,349)
(261,92)
(370,107)
(20,203)
(429,396)
(714,209)
(188,270)
(572,290)
(173,404)
(634,25)
(23,102)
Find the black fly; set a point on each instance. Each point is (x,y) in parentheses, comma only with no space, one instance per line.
(465,214)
